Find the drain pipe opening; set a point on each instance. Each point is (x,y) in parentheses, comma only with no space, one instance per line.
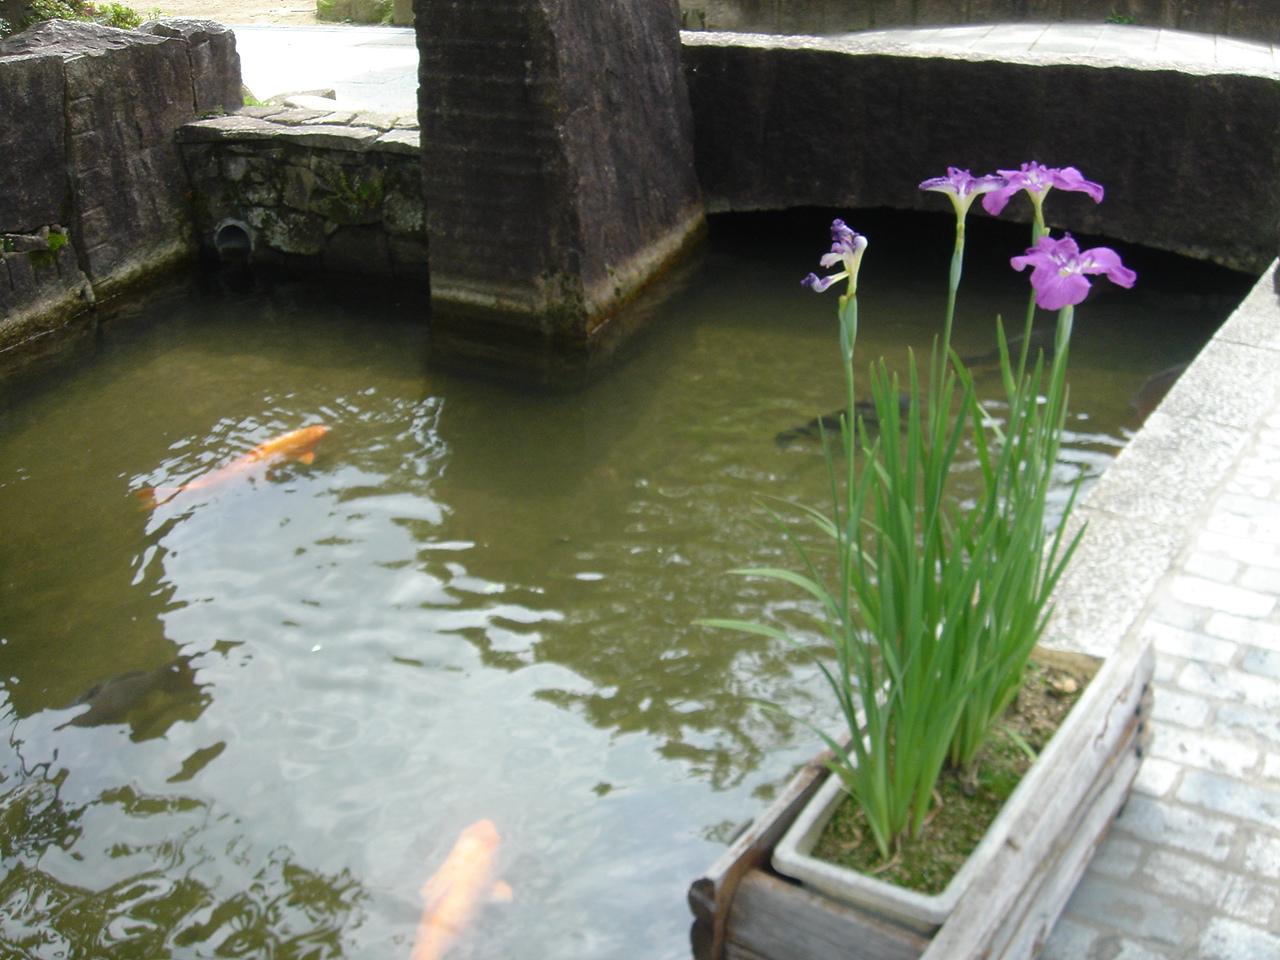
(233,241)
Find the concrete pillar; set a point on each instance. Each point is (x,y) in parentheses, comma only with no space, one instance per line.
(558,160)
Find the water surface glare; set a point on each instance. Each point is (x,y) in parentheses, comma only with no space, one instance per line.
(476,602)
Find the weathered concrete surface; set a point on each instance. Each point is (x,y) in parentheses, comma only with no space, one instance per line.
(42,286)
(318,189)
(557,156)
(794,121)
(215,66)
(34,184)
(1247,19)
(91,157)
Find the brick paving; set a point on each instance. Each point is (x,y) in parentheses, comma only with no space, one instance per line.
(1191,869)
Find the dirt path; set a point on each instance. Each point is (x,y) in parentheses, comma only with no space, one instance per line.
(240,11)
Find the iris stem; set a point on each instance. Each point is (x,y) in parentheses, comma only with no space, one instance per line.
(1038,230)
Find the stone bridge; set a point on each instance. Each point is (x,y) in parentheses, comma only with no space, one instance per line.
(311,188)
(1183,129)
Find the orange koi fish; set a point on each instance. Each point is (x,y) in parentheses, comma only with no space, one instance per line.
(457,890)
(299,445)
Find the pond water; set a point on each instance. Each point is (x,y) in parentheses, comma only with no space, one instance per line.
(476,602)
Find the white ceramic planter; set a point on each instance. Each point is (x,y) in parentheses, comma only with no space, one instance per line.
(926,913)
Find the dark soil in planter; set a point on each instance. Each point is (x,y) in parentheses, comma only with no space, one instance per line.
(929,863)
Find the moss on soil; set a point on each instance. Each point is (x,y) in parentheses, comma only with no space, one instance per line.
(929,863)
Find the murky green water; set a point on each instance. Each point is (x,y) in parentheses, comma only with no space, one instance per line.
(475,603)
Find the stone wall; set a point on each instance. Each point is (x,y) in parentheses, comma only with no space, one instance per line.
(313,189)
(1190,160)
(1248,19)
(93,196)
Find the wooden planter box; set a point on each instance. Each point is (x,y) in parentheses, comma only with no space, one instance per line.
(745,911)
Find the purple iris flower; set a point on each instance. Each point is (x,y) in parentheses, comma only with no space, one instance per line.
(1038,180)
(846,249)
(962,187)
(1058,268)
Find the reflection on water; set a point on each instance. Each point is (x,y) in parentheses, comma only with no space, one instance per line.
(167,894)
(476,602)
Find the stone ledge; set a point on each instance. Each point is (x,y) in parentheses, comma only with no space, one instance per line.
(1139,512)
(399,141)
(312,189)
(1250,19)
(231,127)
(331,135)
(337,130)
(873,44)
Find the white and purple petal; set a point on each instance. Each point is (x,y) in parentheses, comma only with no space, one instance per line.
(962,183)
(846,250)
(818,284)
(844,241)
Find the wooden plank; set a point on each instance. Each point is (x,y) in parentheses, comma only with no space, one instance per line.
(1033,918)
(711,895)
(775,919)
(978,915)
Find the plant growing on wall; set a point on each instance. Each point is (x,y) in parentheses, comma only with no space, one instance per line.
(49,255)
(109,14)
(356,198)
(932,611)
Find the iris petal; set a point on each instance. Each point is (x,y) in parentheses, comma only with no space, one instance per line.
(1105,260)
(1039,180)
(1069,178)
(1058,270)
